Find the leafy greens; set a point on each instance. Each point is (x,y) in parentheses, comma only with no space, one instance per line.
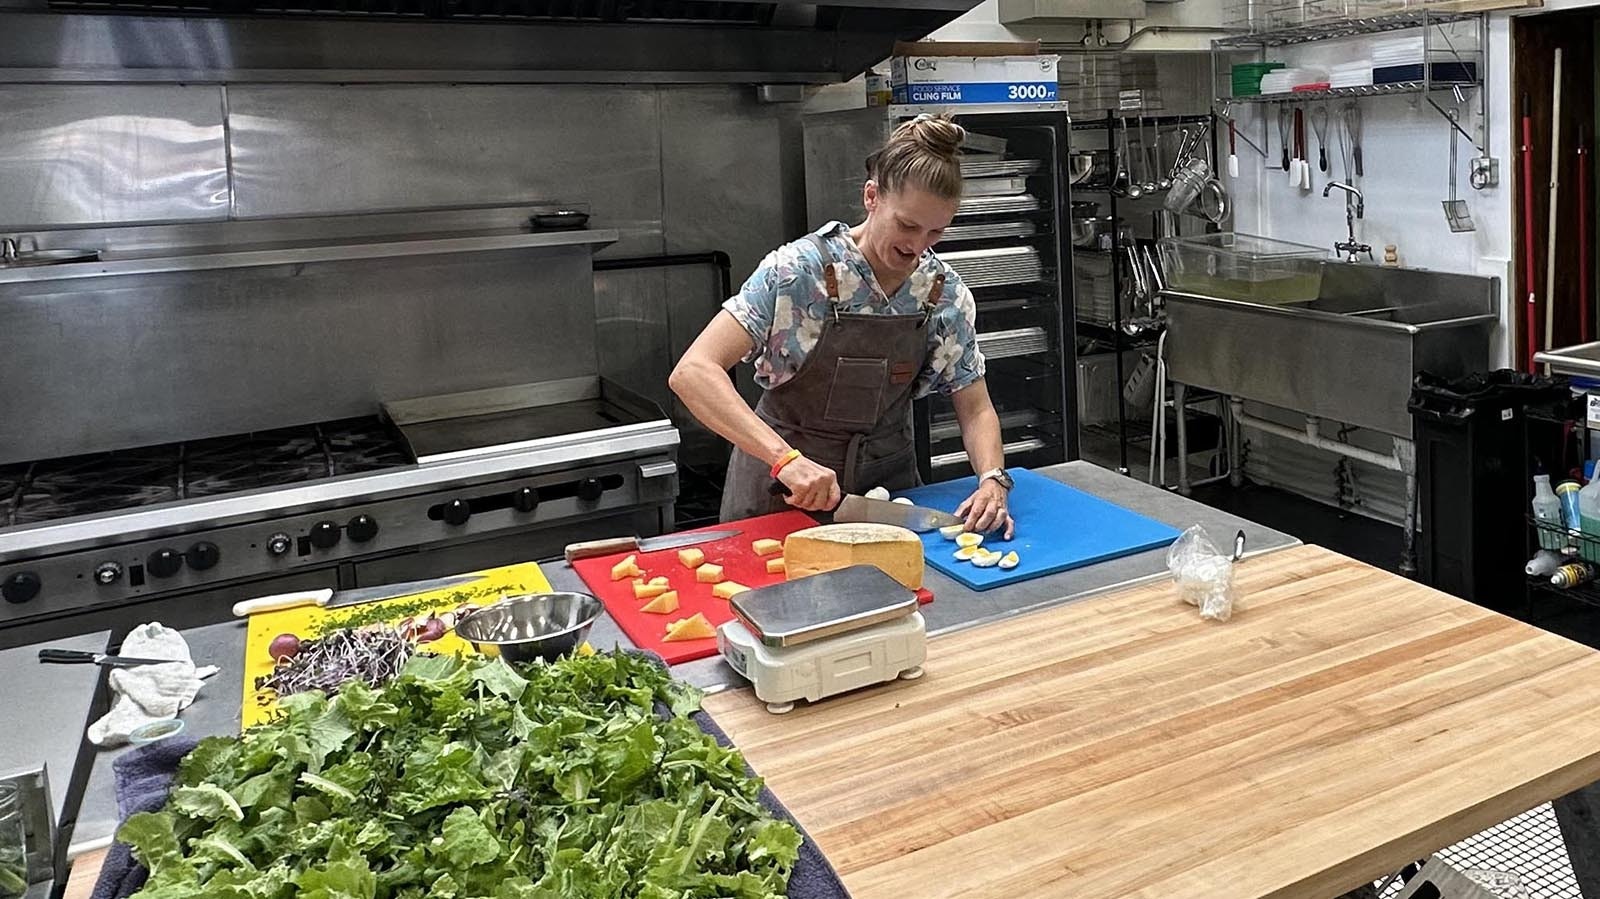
(471,780)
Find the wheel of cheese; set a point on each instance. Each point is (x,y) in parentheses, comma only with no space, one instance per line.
(829,547)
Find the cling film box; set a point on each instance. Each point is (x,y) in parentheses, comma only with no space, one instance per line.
(933,73)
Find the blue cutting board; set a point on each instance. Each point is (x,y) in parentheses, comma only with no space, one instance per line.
(1058,528)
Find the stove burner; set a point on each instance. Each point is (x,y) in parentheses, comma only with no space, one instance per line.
(84,485)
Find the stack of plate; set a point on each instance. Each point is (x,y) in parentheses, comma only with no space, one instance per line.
(993,268)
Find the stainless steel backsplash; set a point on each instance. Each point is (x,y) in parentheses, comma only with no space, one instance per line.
(113,362)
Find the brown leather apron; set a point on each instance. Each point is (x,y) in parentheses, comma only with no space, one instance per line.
(848,407)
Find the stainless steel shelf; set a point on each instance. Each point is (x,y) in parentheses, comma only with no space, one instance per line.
(1015,342)
(325,251)
(950,428)
(1015,448)
(912,110)
(1337,28)
(1365,90)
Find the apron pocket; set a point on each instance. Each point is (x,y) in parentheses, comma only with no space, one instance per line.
(856,394)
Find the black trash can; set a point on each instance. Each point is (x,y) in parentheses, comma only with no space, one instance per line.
(1474,480)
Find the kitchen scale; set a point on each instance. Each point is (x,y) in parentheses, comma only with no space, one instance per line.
(825,634)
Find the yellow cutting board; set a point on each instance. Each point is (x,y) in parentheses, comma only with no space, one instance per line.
(307,622)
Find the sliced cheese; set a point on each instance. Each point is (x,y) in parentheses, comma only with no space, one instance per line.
(897,551)
(694,628)
(691,558)
(775,566)
(642,590)
(627,568)
(767,547)
(728,590)
(664,604)
(708,574)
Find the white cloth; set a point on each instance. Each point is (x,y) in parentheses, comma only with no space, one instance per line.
(147,693)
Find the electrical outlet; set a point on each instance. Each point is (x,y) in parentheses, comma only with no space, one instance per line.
(1485,173)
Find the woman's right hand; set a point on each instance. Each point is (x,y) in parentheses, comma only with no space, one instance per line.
(812,487)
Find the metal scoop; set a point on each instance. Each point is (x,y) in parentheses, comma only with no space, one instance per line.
(1456,212)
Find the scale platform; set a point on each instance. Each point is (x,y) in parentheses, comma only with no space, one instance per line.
(825,634)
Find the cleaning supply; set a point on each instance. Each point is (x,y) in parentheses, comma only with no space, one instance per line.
(1589,520)
(1544,563)
(1547,512)
(1567,492)
(1575,575)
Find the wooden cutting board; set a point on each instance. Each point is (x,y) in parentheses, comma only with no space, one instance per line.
(1344,723)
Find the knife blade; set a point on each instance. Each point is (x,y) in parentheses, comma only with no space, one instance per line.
(81,657)
(330,599)
(594,548)
(878,511)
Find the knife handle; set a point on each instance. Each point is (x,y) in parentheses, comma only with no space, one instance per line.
(778,488)
(66,656)
(281,601)
(591,549)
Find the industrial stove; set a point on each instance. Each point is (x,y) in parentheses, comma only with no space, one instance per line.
(179,532)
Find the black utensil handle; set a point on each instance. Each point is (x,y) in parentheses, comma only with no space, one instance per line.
(1356,152)
(1322,158)
(66,656)
(778,488)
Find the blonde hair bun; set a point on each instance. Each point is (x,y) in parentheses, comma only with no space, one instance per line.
(924,153)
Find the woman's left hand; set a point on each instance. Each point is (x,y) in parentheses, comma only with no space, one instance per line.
(985,510)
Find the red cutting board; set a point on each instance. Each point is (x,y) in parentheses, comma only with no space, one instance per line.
(739,562)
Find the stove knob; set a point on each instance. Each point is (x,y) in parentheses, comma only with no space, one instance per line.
(278,544)
(202,556)
(362,528)
(589,489)
(164,562)
(20,587)
(525,500)
(325,535)
(456,512)
(107,573)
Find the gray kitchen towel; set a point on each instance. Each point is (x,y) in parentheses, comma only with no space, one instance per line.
(144,778)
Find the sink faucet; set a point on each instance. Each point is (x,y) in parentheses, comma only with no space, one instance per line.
(1355,206)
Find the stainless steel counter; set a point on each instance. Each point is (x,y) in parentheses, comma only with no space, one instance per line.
(216,711)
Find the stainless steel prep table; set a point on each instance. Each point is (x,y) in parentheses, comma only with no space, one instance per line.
(955,607)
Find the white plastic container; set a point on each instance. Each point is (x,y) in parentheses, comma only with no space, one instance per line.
(1547,511)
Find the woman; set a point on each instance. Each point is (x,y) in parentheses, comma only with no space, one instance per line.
(845,328)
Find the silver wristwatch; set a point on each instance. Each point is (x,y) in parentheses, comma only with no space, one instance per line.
(999,476)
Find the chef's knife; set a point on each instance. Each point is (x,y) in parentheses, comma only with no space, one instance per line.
(80,657)
(595,548)
(328,599)
(880,511)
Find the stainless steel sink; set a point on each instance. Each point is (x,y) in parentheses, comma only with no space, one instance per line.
(1349,355)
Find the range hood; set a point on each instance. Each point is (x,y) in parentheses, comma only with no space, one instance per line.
(460,40)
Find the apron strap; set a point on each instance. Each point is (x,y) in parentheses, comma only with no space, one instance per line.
(830,278)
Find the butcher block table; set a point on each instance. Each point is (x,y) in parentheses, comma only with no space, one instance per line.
(1345,722)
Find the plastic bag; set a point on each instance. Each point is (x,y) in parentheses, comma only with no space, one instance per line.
(1204,575)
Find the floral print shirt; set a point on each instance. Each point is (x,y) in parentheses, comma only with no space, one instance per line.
(785,302)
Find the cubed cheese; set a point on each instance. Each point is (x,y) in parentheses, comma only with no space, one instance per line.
(895,550)
(693,628)
(708,574)
(664,604)
(767,547)
(775,566)
(642,590)
(627,568)
(658,580)
(728,590)
(691,558)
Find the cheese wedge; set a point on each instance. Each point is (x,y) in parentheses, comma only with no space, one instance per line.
(662,581)
(775,566)
(897,551)
(695,628)
(642,590)
(691,558)
(728,590)
(767,547)
(708,574)
(627,568)
(664,604)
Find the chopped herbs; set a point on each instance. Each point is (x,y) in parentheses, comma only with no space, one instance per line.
(471,780)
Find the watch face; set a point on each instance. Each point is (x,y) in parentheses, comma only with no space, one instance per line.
(1003,478)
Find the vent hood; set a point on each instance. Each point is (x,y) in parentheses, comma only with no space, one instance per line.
(459,40)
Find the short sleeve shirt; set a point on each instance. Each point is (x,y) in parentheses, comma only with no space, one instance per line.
(785,301)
